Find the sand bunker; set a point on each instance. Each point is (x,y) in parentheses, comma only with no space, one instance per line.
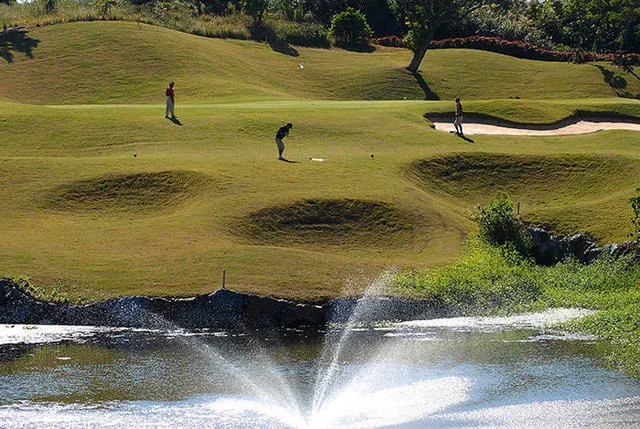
(487,126)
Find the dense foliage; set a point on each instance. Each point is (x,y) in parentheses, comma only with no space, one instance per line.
(556,25)
(499,225)
(350,27)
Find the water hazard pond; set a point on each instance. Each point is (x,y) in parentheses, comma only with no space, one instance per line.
(458,372)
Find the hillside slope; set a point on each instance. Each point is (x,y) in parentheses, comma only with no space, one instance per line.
(129,63)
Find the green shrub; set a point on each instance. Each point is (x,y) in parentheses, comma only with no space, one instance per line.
(635,219)
(297,33)
(350,27)
(489,279)
(485,279)
(500,226)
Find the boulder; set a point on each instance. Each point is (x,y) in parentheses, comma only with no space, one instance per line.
(593,254)
(547,248)
(17,306)
(222,309)
(580,245)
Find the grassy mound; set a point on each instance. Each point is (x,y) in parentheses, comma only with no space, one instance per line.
(535,178)
(138,192)
(125,62)
(327,222)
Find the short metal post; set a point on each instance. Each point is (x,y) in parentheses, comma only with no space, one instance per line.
(518,208)
(224,279)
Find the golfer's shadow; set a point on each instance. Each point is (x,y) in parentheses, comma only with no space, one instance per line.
(175,121)
(463,137)
(289,161)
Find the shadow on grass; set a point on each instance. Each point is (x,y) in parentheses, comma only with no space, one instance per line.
(617,83)
(175,121)
(462,136)
(262,32)
(363,47)
(465,138)
(16,40)
(289,161)
(283,48)
(428,94)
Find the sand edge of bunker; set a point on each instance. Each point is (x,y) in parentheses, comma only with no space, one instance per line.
(581,122)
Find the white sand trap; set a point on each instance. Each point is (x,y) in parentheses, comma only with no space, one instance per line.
(578,127)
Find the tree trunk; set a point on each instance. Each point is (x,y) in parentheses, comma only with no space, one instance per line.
(420,52)
(418,56)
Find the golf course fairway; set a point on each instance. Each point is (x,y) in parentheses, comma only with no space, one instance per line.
(102,196)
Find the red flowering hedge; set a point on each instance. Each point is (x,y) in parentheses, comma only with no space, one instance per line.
(516,49)
(393,41)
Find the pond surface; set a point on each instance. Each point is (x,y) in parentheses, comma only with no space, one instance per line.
(458,372)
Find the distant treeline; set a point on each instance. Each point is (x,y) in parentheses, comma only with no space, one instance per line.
(555,25)
(520,49)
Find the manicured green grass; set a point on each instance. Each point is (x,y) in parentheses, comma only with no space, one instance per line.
(82,215)
(135,239)
(126,62)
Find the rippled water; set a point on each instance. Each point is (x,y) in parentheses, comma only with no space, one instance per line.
(461,372)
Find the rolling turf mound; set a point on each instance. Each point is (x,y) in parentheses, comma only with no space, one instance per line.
(327,222)
(141,192)
(129,63)
(536,179)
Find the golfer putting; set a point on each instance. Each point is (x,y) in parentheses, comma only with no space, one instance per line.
(280,135)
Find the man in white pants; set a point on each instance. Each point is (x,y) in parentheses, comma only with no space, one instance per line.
(458,118)
(170,101)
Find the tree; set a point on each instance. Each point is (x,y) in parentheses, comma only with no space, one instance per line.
(255,9)
(350,27)
(596,24)
(425,17)
(626,18)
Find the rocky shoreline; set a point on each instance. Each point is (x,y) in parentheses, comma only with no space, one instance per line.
(548,248)
(223,309)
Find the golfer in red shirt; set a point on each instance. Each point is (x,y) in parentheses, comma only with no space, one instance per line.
(170,101)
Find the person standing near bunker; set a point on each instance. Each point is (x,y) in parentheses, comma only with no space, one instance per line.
(281,134)
(457,122)
(170,93)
